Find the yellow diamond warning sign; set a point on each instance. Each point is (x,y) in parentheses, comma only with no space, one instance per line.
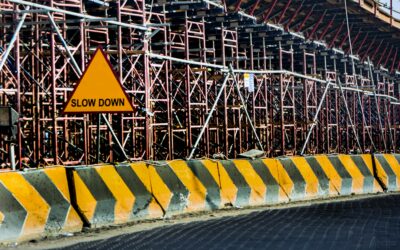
(98,90)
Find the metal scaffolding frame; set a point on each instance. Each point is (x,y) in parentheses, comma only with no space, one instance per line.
(183,63)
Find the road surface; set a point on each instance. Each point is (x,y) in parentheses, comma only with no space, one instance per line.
(355,224)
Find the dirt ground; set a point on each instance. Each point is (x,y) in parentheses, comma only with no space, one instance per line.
(111,231)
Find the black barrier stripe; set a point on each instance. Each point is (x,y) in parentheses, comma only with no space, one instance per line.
(213,197)
(59,206)
(392,180)
(142,196)
(179,192)
(105,207)
(323,180)
(296,177)
(14,215)
(347,180)
(368,178)
(243,188)
(72,193)
(272,194)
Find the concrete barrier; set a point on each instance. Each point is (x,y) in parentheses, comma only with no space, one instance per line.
(186,186)
(356,174)
(137,178)
(388,170)
(251,182)
(35,204)
(364,164)
(109,195)
(309,179)
(42,202)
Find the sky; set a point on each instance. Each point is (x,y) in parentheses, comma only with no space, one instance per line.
(396,6)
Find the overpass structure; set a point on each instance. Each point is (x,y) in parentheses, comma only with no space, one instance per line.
(207,78)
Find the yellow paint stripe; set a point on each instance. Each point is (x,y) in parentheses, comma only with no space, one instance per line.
(394,165)
(59,177)
(367,158)
(283,178)
(229,189)
(308,175)
(335,181)
(160,189)
(124,198)
(212,167)
(258,188)
(73,222)
(197,191)
(381,172)
(1,217)
(36,207)
(273,167)
(154,210)
(141,170)
(358,178)
(86,202)
(368,161)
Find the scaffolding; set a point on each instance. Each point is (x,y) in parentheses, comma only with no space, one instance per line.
(183,64)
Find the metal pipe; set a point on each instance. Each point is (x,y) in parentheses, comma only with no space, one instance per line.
(114,135)
(376,102)
(209,65)
(353,72)
(13,39)
(52,9)
(64,43)
(12,156)
(348,113)
(98,140)
(315,117)
(245,108)
(225,69)
(203,129)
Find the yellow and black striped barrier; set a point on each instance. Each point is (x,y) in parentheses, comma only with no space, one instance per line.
(35,204)
(186,186)
(251,182)
(388,170)
(356,174)
(328,175)
(108,194)
(63,199)
(307,179)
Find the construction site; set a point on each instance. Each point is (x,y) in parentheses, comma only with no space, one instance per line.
(207,79)
(250,124)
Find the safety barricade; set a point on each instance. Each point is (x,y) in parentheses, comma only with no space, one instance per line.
(251,182)
(388,170)
(63,199)
(356,174)
(186,186)
(35,204)
(109,195)
(305,178)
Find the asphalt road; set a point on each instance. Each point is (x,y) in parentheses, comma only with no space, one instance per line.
(372,223)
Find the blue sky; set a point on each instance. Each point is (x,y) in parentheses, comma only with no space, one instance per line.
(396,6)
